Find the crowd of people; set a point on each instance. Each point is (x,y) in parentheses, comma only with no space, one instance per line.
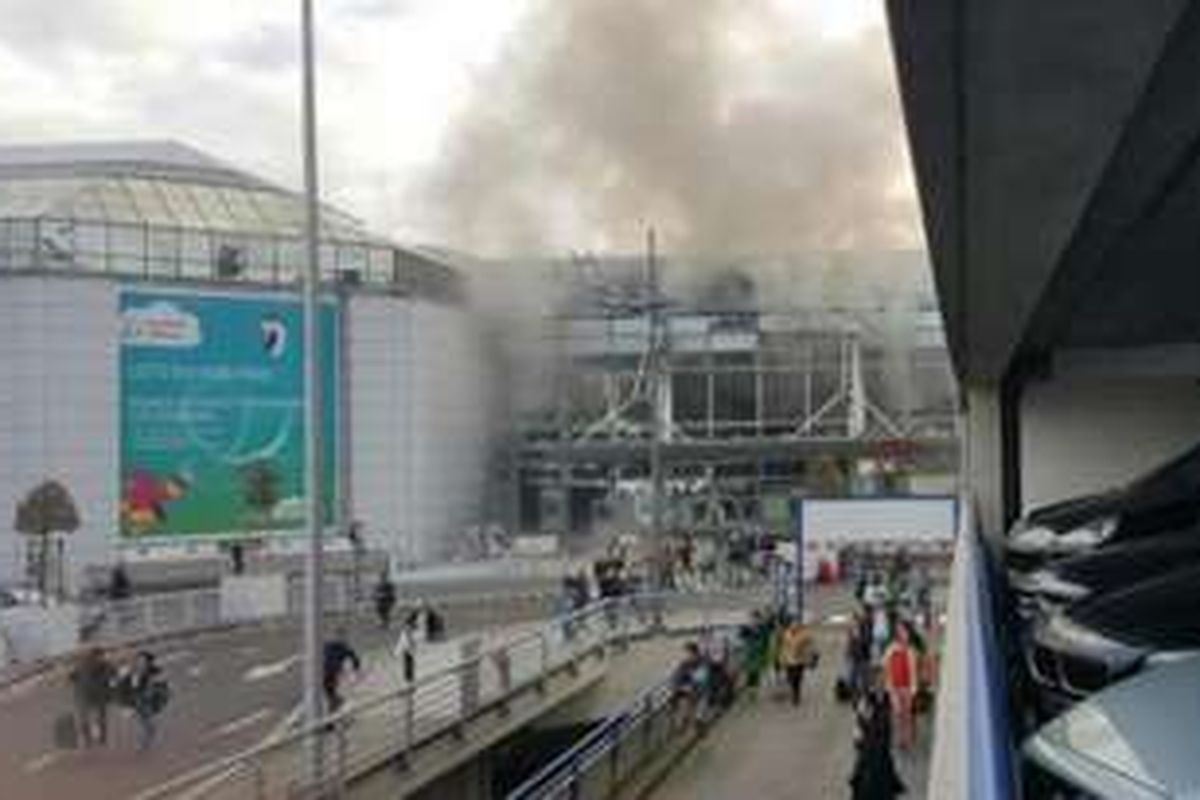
(887,675)
(772,646)
(889,671)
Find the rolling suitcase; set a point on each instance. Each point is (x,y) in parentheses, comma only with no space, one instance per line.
(66,733)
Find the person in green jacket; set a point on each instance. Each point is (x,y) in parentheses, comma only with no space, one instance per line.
(756,646)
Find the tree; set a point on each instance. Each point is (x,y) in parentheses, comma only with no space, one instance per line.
(47,509)
(260,487)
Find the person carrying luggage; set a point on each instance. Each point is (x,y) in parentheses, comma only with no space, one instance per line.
(92,681)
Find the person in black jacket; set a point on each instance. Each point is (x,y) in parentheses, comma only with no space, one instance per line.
(875,776)
(148,693)
(385,600)
(337,654)
(119,585)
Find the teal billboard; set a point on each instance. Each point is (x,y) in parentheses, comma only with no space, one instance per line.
(212,414)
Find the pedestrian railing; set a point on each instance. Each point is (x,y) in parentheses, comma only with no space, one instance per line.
(146,617)
(609,757)
(403,725)
(604,760)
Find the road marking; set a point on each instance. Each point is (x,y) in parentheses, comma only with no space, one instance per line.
(171,658)
(42,762)
(26,687)
(261,672)
(241,723)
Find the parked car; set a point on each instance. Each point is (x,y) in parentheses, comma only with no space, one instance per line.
(1104,638)
(1110,567)
(1164,499)
(1133,741)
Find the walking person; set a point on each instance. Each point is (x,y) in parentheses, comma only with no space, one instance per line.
(406,651)
(900,679)
(435,625)
(385,600)
(149,693)
(875,776)
(858,653)
(756,638)
(119,586)
(92,683)
(690,685)
(338,653)
(796,654)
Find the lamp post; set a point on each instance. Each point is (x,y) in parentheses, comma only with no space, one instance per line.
(313,639)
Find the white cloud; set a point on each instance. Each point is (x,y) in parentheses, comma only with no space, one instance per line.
(222,75)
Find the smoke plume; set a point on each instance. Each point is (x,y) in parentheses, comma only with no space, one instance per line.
(729,124)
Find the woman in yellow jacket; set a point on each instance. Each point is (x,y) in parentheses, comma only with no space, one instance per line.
(796,651)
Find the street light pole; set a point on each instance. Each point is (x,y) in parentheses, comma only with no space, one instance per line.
(313,611)
(657,394)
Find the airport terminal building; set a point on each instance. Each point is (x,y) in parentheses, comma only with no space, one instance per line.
(150,364)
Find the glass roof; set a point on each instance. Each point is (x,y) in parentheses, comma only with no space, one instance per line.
(170,202)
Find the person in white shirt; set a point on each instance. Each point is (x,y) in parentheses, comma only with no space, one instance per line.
(406,651)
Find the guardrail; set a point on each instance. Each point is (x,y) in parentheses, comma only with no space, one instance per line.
(145,617)
(609,755)
(607,758)
(973,746)
(320,760)
(149,616)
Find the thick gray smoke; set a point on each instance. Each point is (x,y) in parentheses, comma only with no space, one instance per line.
(742,136)
(723,122)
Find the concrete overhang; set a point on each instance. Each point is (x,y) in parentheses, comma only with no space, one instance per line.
(1057,153)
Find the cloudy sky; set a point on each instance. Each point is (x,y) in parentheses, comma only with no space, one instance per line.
(496,125)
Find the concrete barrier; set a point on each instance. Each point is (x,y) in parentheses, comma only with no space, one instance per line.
(33,633)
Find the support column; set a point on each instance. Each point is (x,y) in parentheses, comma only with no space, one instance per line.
(983,457)
(856,424)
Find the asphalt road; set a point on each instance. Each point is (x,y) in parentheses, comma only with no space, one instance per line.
(229,691)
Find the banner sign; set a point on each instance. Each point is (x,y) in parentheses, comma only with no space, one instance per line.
(212,414)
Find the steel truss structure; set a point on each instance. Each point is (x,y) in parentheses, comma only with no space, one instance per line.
(746,406)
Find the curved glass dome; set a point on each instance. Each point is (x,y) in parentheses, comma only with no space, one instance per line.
(164,210)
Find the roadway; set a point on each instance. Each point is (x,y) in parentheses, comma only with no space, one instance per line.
(230,690)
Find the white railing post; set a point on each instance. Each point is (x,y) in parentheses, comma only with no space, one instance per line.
(340,777)
(260,780)
(410,718)
(544,653)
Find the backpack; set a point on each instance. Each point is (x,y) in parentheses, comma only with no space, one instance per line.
(158,694)
(66,732)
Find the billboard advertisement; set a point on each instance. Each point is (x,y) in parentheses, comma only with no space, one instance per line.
(212,414)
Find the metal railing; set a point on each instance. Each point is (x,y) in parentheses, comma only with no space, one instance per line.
(608,757)
(399,725)
(148,616)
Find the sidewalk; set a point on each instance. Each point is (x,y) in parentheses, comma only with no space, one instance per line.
(768,750)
